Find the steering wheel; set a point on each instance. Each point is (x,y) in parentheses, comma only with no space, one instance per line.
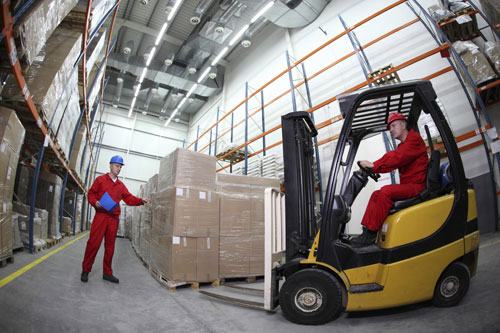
(369,171)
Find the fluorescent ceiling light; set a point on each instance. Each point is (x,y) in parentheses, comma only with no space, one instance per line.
(137,89)
(238,35)
(191,90)
(205,73)
(171,116)
(160,35)
(219,56)
(181,103)
(151,54)
(143,74)
(132,106)
(262,11)
(174,9)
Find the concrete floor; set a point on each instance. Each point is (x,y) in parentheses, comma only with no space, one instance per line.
(50,298)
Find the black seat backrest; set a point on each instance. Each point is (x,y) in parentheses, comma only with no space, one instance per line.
(433,177)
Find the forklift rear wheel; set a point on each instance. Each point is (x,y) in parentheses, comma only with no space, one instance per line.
(311,297)
(453,285)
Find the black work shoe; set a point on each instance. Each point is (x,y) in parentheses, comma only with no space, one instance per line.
(366,238)
(110,278)
(84,277)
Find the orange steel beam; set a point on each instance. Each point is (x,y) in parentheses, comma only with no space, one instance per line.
(45,166)
(488,86)
(339,117)
(84,73)
(313,76)
(8,22)
(300,61)
(454,19)
(103,79)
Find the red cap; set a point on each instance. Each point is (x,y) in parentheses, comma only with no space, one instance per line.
(395,116)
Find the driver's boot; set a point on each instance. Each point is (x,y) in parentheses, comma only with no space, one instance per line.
(366,238)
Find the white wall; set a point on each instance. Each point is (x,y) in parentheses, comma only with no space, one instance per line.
(141,141)
(266,58)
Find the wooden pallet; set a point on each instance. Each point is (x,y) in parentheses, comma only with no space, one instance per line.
(382,78)
(233,157)
(52,242)
(6,260)
(173,285)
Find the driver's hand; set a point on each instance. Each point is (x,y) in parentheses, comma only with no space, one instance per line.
(98,204)
(366,164)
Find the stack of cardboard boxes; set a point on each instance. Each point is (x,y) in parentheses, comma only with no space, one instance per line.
(11,139)
(146,220)
(185,228)
(241,250)
(205,226)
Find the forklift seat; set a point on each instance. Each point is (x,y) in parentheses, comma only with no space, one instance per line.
(434,187)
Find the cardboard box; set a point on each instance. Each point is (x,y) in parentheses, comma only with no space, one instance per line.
(67,225)
(11,130)
(242,204)
(234,256)
(207,259)
(41,217)
(185,168)
(185,259)
(5,229)
(186,212)
(174,257)
(257,255)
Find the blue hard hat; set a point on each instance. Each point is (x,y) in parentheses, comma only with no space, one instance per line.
(116,159)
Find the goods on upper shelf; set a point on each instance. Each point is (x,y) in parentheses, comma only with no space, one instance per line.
(456,19)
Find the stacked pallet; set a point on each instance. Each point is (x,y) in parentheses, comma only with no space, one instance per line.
(272,166)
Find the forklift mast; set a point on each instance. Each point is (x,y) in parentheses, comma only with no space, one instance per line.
(298,158)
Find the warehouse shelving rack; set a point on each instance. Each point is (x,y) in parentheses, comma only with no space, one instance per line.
(58,159)
(440,48)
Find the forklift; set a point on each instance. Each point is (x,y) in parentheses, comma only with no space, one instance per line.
(426,249)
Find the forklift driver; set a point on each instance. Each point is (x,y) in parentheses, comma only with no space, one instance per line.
(410,158)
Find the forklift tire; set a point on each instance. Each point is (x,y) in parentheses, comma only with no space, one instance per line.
(452,285)
(311,297)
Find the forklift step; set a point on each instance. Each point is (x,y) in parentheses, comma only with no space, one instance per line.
(365,288)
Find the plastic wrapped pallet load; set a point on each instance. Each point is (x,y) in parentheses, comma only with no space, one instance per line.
(36,26)
(185,221)
(11,139)
(477,64)
(150,189)
(241,245)
(53,85)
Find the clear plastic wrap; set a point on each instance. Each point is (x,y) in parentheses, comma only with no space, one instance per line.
(241,246)
(36,26)
(477,65)
(454,5)
(187,169)
(439,14)
(492,51)
(47,80)
(5,229)
(17,243)
(41,216)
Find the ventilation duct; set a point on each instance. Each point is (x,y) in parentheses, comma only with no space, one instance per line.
(199,11)
(221,23)
(247,37)
(118,91)
(296,13)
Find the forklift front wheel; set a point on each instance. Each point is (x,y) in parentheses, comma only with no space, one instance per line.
(311,297)
(452,285)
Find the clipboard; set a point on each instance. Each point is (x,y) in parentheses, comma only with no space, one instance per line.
(108,203)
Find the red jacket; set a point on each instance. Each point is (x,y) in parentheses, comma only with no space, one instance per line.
(410,157)
(116,190)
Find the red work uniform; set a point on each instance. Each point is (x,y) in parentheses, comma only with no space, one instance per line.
(105,223)
(410,158)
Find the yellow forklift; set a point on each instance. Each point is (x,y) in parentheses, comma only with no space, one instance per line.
(426,249)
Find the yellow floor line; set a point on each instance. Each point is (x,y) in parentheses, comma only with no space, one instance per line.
(488,244)
(26,268)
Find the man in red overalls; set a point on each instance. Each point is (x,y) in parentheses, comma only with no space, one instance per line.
(106,222)
(410,158)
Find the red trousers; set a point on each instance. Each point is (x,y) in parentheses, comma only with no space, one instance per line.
(382,200)
(103,226)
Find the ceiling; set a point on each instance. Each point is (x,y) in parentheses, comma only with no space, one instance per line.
(194,37)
